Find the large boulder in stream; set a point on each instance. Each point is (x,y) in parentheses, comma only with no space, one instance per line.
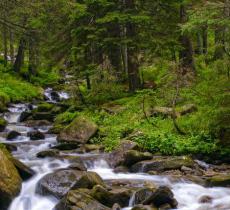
(10,181)
(59,183)
(12,135)
(119,195)
(3,124)
(24,171)
(78,200)
(162,196)
(36,135)
(221,180)
(117,157)
(161,163)
(80,130)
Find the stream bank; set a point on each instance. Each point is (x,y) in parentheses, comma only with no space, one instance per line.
(68,173)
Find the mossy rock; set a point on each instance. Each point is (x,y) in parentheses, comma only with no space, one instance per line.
(3,124)
(80,130)
(76,199)
(219,180)
(119,195)
(10,181)
(44,107)
(133,156)
(161,163)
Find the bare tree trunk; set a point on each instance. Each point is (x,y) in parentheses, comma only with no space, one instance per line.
(205,39)
(20,55)
(12,47)
(124,51)
(4,33)
(186,53)
(132,52)
(32,56)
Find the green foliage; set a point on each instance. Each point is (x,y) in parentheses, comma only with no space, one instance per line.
(14,89)
(46,77)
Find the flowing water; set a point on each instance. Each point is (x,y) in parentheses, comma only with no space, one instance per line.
(186,193)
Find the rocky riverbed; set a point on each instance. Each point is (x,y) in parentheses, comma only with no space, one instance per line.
(57,172)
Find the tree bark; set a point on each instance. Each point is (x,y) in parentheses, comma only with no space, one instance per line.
(12,47)
(32,56)
(132,52)
(186,53)
(20,55)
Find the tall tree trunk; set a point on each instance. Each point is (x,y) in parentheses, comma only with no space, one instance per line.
(132,52)
(32,56)
(20,55)
(12,47)
(124,51)
(219,43)
(5,45)
(199,47)
(186,53)
(205,39)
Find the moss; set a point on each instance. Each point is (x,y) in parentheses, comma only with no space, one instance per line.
(44,107)
(3,124)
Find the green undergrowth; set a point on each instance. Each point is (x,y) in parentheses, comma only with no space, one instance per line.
(14,89)
(158,134)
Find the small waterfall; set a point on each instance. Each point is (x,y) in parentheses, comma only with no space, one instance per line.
(132,200)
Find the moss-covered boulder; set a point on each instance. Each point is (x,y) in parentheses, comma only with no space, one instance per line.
(162,196)
(133,156)
(89,180)
(44,107)
(79,200)
(24,171)
(222,180)
(117,157)
(161,164)
(48,153)
(3,124)
(80,130)
(144,207)
(119,195)
(10,181)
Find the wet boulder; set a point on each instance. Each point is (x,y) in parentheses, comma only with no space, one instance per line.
(36,135)
(143,207)
(44,107)
(89,180)
(79,200)
(43,116)
(222,180)
(55,96)
(117,157)
(133,156)
(12,135)
(160,164)
(24,171)
(10,181)
(142,194)
(66,146)
(62,181)
(47,153)
(116,207)
(78,165)
(119,195)
(162,196)
(80,130)
(24,116)
(3,124)
(37,123)
(58,183)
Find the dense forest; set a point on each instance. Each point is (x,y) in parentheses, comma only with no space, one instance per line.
(107,77)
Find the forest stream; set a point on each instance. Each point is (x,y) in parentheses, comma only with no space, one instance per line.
(187,193)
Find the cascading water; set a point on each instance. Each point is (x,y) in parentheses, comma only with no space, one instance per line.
(186,193)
